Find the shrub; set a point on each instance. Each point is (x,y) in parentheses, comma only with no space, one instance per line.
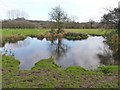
(40,36)
(105,70)
(75,36)
(13,38)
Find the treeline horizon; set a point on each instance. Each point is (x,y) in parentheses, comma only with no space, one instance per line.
(18,19)
(22,23)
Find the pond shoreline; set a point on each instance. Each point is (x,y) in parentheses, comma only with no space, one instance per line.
(66,52)
(70,36)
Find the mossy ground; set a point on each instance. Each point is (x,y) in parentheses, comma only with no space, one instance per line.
(46,74)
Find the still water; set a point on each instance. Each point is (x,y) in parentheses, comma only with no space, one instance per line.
(67,53)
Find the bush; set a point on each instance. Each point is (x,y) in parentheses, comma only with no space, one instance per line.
(13,38)
(40,36)
(75,36)
(105,70)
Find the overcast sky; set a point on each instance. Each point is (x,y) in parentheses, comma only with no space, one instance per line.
(39,9)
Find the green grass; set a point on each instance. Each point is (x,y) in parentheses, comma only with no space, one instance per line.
(47,74)
(8,32)
(90,31)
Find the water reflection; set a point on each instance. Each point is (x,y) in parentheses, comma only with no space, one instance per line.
(67,53)
(58,48)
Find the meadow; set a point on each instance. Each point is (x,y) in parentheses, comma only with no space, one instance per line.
(27,32)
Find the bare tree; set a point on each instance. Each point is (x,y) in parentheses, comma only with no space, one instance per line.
(58,16)
(24,14)
(15,13)
(12,14)
(91,23)
(73,18)
(9,14)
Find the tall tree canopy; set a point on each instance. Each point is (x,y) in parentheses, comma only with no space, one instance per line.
(112,17)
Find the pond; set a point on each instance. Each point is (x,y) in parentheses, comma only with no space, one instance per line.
(84,53)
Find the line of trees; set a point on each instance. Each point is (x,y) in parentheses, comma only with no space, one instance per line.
(15,13)
(60,19)
(48,24)
(18,24)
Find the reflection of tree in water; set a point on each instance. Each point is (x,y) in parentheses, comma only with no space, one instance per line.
(58,49)
(107,57)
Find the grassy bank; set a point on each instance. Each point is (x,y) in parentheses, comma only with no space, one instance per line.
(46,74)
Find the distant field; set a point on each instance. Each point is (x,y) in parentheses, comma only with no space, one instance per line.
(90,31)
(7,32)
